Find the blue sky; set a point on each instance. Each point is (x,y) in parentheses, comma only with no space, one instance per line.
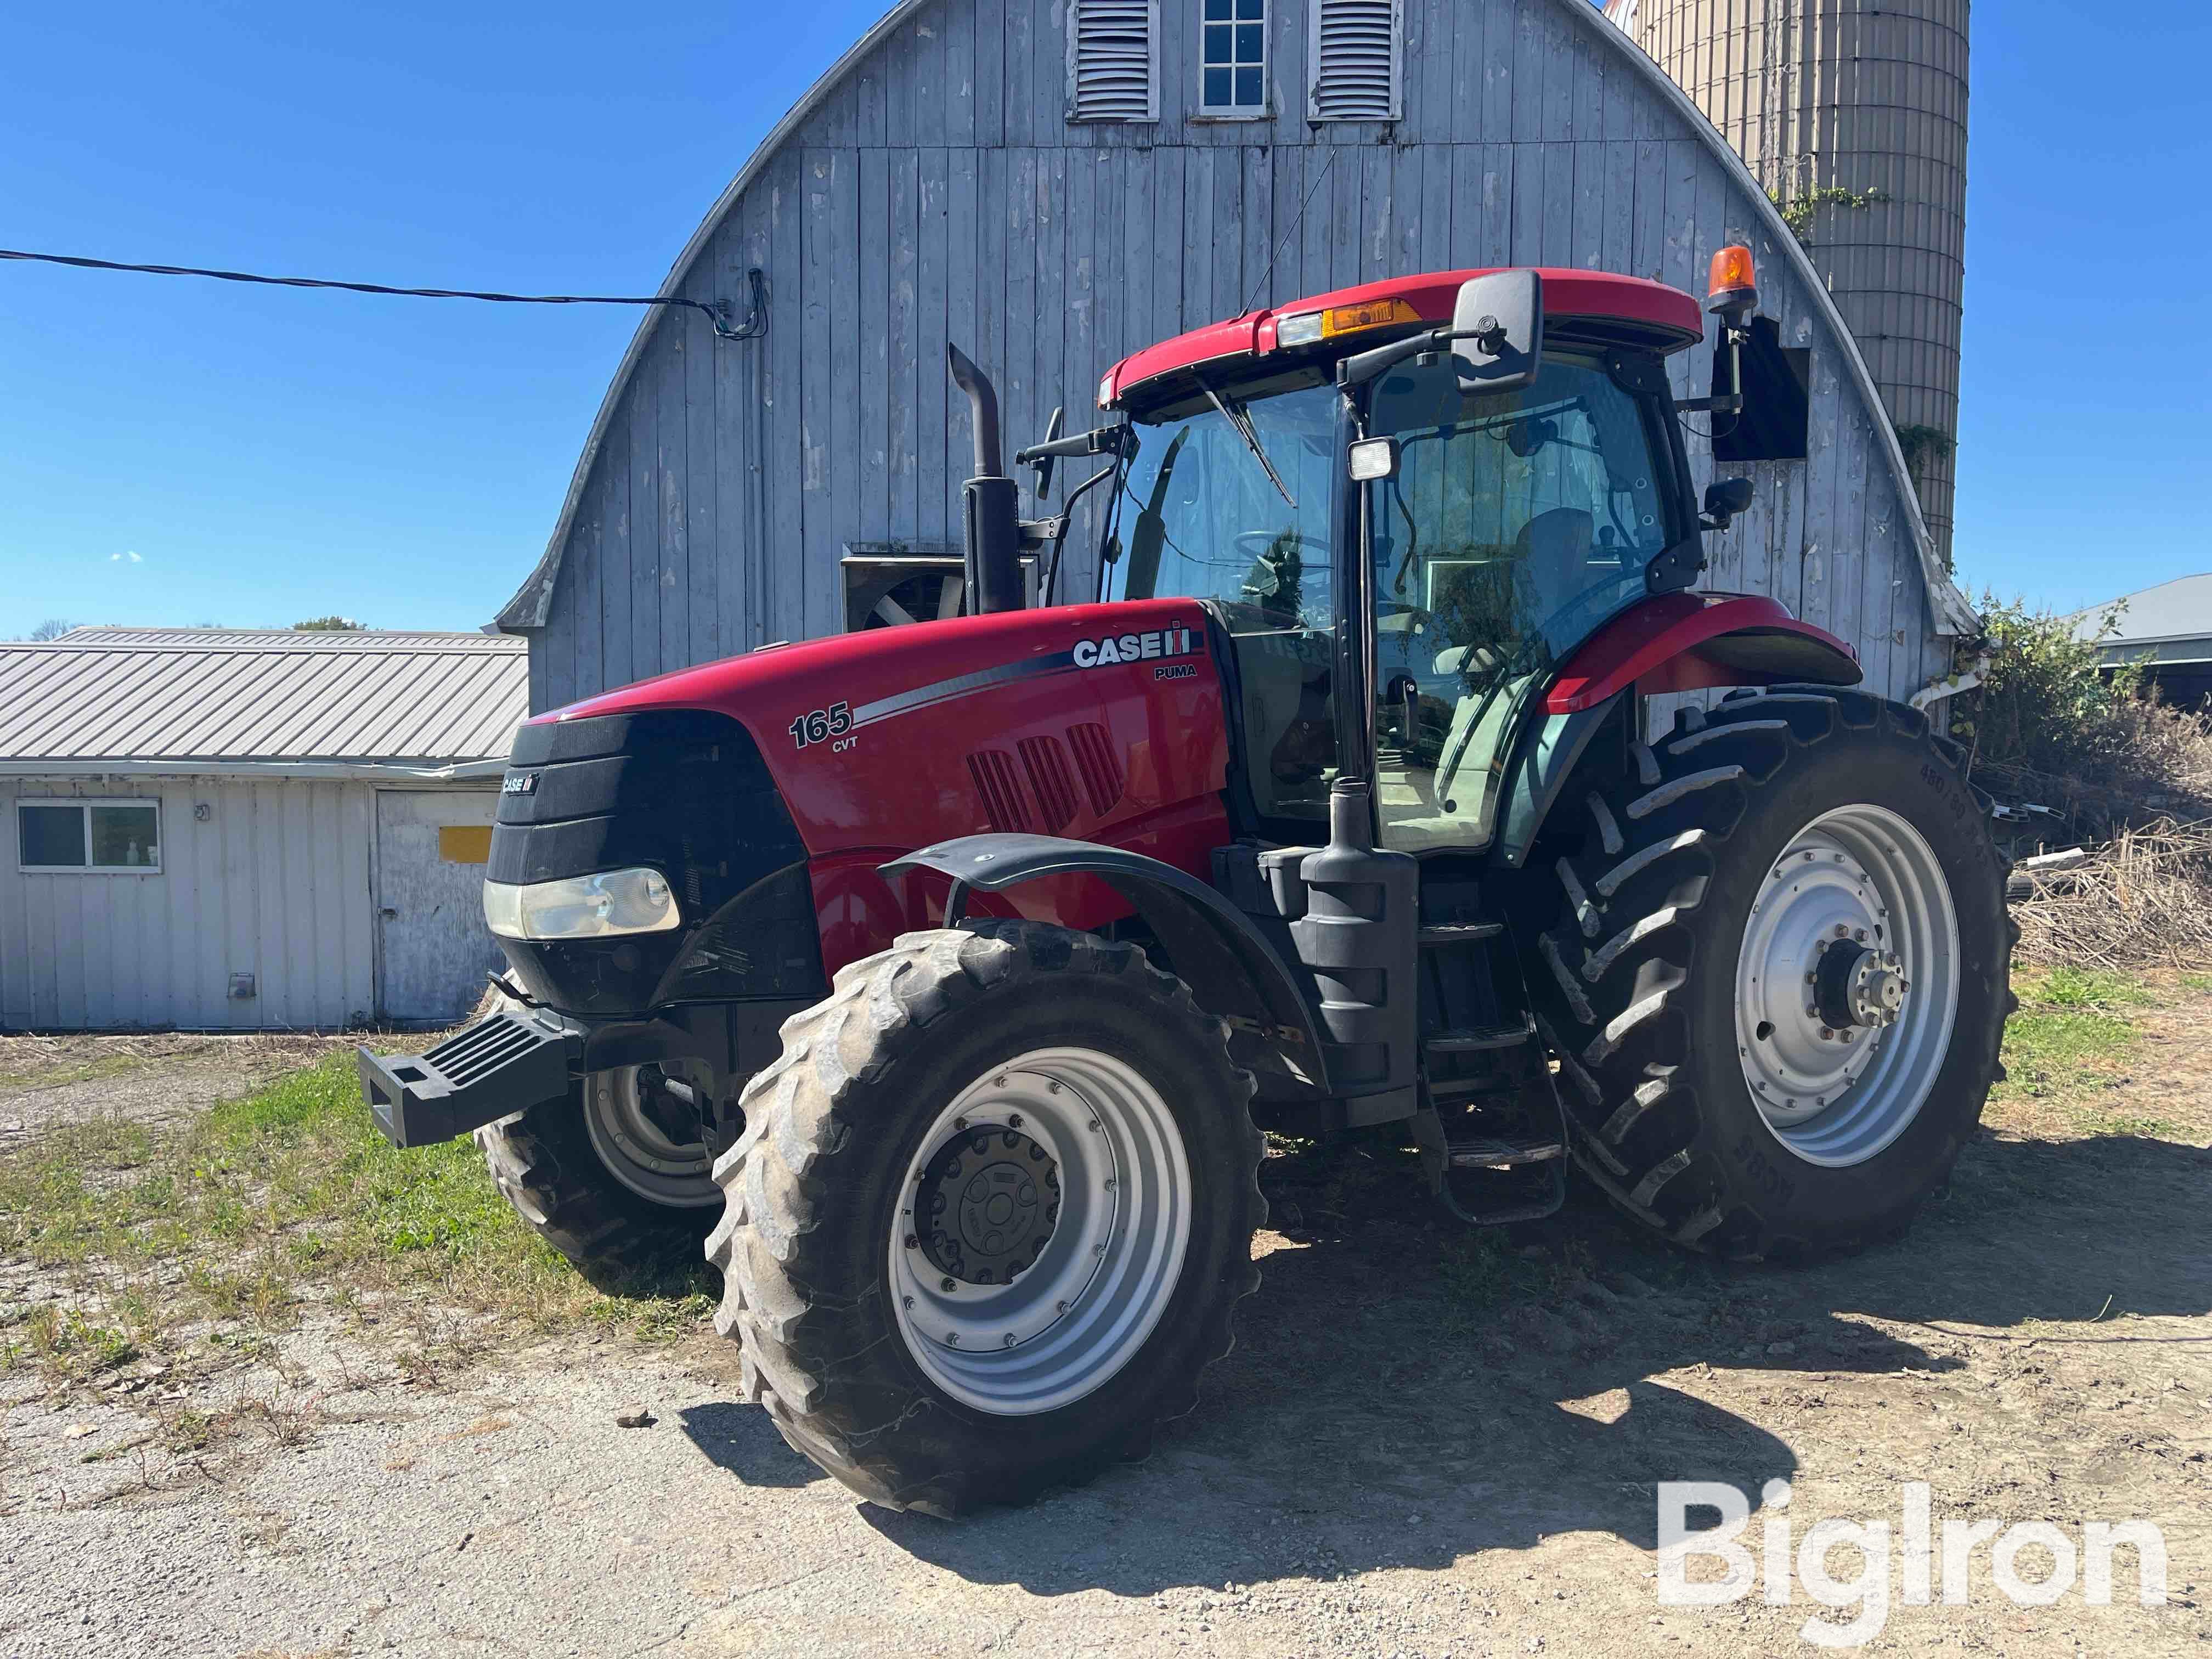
(174,452)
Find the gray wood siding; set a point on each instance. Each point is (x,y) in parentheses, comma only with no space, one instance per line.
(939,192)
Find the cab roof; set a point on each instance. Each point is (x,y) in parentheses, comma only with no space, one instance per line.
(1662,317)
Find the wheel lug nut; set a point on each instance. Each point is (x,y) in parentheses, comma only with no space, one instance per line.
(912,1243)
(1052,1088)
(1841,931)
(1014,1122)
(1826,1036)
(945,1283)
(1008,1341)
(1860,936)
(1109,1183)
(960,1122)
(999,1082)
(1060,1307)
(906,1302)
(952,1339)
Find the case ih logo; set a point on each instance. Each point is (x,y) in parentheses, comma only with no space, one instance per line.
(518,783)
(1135,647)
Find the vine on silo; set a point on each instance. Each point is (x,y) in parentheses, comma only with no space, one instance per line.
(1798,211)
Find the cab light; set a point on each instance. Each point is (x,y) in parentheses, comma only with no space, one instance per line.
(1339,320)
(1735,284)
(599,905)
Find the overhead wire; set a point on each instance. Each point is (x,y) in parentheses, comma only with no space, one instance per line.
(717,312)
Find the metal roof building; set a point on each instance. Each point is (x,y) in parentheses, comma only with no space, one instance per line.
(2167,629)
(220,828)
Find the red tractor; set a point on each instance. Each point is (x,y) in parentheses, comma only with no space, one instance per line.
(943,977)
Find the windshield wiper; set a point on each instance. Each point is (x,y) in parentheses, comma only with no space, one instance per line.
(1235,414)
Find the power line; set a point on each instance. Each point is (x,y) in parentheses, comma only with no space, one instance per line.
(718,312)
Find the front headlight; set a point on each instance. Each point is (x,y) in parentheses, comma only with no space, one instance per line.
(582,907)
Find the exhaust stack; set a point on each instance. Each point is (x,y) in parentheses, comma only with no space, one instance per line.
(991,498)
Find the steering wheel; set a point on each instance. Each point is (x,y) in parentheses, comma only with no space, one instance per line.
(1262,542)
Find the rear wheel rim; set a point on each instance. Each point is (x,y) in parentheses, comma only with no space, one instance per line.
(640,1153)
(1838,1092)
(1100,1149)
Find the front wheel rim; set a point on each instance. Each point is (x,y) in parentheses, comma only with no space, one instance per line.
(638,1152)
(1835,1091)
(1097,1144)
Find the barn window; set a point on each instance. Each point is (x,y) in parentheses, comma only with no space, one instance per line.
(1113,60)
(1233,57)
(96,835)
(1354,55)
(1777,418)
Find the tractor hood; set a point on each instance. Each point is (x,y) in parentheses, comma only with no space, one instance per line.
(1061,721)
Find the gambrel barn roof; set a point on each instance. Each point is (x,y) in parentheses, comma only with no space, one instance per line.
(1533,132)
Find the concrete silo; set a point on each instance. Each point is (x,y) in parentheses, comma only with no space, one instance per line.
(1853,114)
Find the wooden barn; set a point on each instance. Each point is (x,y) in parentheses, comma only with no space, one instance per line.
(1052,185)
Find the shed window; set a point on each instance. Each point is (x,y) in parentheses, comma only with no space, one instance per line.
(1233,51)
(1113,60)
(1778,411)
(88,834)
(1354,55)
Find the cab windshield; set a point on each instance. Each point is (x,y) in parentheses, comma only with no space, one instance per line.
(1197,515)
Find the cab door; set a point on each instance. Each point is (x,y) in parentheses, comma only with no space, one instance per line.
(1512,527)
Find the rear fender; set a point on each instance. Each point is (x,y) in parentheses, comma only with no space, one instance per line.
(1232,970)
(1691,641)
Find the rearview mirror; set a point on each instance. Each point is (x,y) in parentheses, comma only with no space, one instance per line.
(1724,499)
(1498,332)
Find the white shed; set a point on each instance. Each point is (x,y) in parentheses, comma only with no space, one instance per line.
(217,828)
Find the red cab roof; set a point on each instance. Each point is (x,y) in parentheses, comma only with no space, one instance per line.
(1670,314)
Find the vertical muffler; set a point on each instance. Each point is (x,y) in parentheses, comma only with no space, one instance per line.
(994,558)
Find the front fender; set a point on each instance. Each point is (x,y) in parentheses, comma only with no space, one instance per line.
(1220,953)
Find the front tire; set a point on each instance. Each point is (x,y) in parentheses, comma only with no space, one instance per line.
(594,1176)
(990,1217)
(1780,983)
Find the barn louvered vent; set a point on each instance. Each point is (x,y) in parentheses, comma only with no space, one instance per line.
(1100,767)
(1113,60)
(1000,790)
(1045,759)
(1355,60)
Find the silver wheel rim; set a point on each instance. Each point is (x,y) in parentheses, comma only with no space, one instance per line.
(1067,1324)
(637,1152)
(1859,879)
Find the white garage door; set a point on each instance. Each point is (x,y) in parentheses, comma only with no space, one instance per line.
(433,949)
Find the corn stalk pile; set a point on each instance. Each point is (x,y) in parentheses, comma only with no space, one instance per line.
(2142,899)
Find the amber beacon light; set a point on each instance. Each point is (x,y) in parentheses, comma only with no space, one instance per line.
(1734,291)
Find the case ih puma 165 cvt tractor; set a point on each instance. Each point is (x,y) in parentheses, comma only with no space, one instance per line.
(942,976)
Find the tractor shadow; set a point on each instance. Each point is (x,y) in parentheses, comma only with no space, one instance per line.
(1405,1391)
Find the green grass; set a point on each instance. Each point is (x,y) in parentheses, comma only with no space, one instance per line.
(2067,1051)
(231,1226)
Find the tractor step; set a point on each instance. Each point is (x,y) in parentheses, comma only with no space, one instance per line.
(1478,1039)
(1460,933)
(1501,1154)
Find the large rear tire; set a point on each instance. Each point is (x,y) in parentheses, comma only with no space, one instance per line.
(1781,977)
(990,1218)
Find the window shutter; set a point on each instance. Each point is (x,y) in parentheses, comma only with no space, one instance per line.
(1355,60)
(1113,60)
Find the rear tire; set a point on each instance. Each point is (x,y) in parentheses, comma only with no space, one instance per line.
(967,1035)
(1702,1096)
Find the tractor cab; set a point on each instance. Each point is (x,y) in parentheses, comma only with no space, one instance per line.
(1332,482)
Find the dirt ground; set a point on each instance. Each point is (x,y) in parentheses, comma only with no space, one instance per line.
(1426,1443)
